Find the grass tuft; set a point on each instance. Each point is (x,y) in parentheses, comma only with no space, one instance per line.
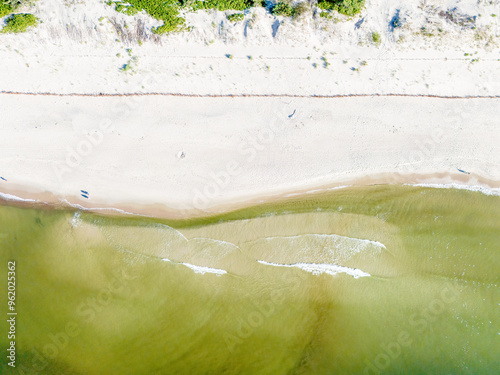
(235,17)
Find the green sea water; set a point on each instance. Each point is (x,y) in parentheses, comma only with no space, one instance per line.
(362,280)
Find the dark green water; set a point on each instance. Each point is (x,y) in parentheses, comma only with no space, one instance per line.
(367,280)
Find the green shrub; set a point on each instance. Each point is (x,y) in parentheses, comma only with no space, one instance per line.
(235,17)
(282,9)
(5,9)
(376,38)
(19,23)
(166,11)
(347,7)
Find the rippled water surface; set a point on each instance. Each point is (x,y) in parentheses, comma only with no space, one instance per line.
(368,280)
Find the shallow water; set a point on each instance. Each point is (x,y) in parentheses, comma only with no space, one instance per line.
(381,279)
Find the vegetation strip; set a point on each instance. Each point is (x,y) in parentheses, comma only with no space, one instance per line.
(170,11)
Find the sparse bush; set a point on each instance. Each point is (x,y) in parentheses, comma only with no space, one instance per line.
(425,32)
(326,64)
(346,7)
(235,17)
(300,9)
(282,9)
(460,19)
(130,65)
(376,38)
(253,20)
(19,23)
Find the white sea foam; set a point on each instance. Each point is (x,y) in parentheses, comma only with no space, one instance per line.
(318,269)
(320,235)
(317,190)
(203,270)
(11,197)
(476,188)
(200,269)
(76,221)
(339,187)
(329,236)
(211,250)
(215,241)
(76,205)
(314,248)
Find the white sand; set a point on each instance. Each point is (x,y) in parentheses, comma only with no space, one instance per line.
(75,50)
(237,148)
(187,152)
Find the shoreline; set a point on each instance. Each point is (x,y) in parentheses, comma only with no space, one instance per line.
(186,156)
(46,200)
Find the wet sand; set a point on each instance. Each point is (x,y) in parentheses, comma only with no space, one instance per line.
(183,157)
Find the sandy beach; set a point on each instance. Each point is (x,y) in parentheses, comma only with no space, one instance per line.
(160,154)
(232,197)
(240,113)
